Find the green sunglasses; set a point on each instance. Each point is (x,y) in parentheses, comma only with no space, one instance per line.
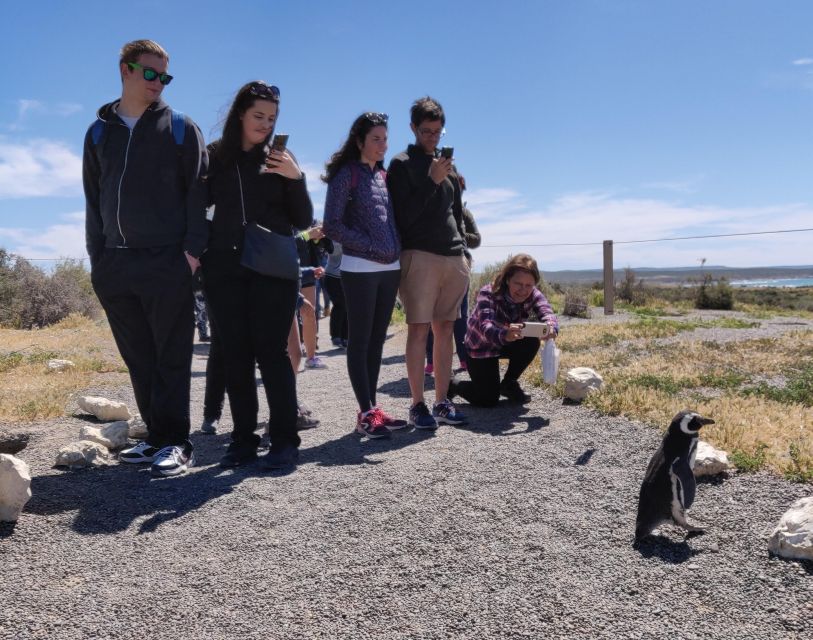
(151,74)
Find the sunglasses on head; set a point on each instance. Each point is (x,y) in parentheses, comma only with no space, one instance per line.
(265,91)
(376,118)
(151,74)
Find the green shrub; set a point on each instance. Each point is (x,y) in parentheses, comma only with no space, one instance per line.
(749,461)
(717,295)
(30,297)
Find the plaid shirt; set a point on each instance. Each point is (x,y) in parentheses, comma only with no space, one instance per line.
(488,322)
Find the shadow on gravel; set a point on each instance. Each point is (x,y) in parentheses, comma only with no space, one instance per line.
(400,359)
(665,549)
(396,388)
(503,420)
(353,449)
(109,499)
(7,529)
(584,458)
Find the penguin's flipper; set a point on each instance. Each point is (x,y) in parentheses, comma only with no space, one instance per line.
(684,482)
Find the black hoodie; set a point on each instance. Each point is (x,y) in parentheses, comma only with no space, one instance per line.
(142,190)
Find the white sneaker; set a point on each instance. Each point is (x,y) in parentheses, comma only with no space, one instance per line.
(315,363)
(173,460)
(142,452)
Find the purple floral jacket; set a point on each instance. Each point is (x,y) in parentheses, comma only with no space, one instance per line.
(361,217)
(488,322)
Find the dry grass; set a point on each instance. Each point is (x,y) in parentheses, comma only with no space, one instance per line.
(739,384)
(29,392)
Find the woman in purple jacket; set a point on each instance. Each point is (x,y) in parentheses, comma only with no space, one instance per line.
(358,214)
(495,331)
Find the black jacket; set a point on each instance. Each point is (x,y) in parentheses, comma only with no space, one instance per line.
(270,200)
(429,216)
(142,190)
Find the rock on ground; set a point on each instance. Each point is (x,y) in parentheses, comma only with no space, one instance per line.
(581,381)
(793,536)
(15,487)
(85,453)
(58,365)
(709,461)
(13,442)
(112,436)
(104,409)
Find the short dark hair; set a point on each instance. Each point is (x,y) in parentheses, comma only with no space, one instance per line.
(520,262)
(426,108)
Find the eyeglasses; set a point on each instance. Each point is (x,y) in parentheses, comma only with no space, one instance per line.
(264,91)
(433,133)
(376,118)
(151,74)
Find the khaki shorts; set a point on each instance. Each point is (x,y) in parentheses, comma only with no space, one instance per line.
(432,286)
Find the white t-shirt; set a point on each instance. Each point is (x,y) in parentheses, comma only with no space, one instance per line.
(129,121)
(361,265)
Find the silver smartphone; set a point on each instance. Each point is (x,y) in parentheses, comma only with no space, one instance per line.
(535,330)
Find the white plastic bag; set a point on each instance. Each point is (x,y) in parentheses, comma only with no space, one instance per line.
(550,362)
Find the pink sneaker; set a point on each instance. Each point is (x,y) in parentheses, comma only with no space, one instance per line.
(429,369)
(371,425)
(393,424)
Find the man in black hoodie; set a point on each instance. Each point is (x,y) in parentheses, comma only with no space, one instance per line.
(425,191)
(143,169)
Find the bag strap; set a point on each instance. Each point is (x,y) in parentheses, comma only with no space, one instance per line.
(240,183)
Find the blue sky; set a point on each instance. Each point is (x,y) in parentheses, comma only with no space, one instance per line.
(572,121)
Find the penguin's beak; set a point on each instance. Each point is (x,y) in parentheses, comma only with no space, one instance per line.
(704,421)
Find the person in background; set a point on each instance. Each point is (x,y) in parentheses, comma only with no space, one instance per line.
(253,312)
(358,214)
(145,200)
(495,332)
(333,287)
(311,244)
(425,193)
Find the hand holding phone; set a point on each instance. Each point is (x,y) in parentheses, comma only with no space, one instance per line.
(280,142)
(446,152)
(535,330)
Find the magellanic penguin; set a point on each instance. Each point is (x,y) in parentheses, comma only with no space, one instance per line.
(669,486)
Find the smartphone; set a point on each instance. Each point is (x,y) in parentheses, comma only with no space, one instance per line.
(446,152)
(280,142)
(535,330)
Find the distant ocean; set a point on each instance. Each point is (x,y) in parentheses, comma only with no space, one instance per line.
(774,282)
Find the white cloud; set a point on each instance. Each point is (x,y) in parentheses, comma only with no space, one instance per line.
(803,61)
(585,220)
(39,168)
(55,241)
(27,108)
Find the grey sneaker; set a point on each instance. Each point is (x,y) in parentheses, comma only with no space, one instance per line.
(209,426)
(173,460)
(420,418)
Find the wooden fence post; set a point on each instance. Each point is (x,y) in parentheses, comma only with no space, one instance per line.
(609,280)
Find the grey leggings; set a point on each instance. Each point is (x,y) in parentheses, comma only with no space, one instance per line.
(370,298)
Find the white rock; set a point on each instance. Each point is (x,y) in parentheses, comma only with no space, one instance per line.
(138,430)
(84,453)
(60,365)
(15,487)
(709,461)
(112,436)
(581,381)
(793,537)
(104,409)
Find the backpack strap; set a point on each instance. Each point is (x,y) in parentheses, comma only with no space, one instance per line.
(96,131)
(178,125)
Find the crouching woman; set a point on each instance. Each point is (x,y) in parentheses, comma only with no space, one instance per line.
(494,331)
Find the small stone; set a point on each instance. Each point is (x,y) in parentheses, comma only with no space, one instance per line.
(57,365)
(112,436)
(137,430)
(84,453)
(581,381)
(104,409)
(771,609)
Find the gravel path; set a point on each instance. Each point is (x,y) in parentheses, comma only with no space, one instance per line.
(518,526)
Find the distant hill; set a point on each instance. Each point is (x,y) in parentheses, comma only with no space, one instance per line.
(680,275)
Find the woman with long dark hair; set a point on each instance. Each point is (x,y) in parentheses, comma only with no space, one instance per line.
(358,214)
(253,312)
